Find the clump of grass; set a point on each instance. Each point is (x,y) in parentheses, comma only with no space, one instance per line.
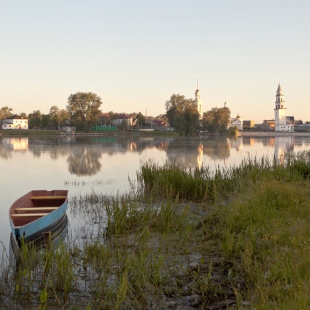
(174,181)
(266,232)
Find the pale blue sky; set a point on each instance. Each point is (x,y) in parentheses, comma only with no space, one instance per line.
(136,54)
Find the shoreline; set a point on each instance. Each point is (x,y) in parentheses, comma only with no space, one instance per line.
(273,134)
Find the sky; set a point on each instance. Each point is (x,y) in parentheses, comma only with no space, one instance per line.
(135,54)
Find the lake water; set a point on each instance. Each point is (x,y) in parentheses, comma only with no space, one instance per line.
(106,164)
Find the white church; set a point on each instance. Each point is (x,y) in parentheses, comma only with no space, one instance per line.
(282,122)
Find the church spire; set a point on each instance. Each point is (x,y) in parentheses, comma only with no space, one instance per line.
(197,85)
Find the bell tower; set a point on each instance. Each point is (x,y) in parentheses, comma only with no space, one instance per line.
(279,111)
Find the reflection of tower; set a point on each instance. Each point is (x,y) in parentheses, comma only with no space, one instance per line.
(283,145)
(198,101)
(199,156)
(236,143)
(281,123)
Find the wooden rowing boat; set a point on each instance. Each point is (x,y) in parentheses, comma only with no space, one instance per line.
(37,213)
(53,238)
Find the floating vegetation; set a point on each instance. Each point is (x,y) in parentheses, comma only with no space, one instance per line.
(89,183)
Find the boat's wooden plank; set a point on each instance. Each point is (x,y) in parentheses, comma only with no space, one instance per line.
(28,214)
(47,197)
(36,209)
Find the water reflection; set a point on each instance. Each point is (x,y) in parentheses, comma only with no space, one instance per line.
(282,146)
(15,144)
(84,161)
(217,151)
(84,156)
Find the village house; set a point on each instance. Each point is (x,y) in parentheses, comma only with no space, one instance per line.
(248,124)
(14,122)
(236,122)
(123,119)
(268,124)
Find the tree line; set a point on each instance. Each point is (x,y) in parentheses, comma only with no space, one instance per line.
(183,116)
(83,112)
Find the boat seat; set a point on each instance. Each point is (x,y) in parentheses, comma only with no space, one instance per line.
(36,209)
(47,197)
(28,214)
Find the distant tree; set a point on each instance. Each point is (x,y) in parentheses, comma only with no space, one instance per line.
(59,117)
(105,119)
(122,125)
(141,121)
(112,115)
(162,117)
(23,115)
(216,120)
(5,112)
(182,114)
(35,119)
(83,109)
(46,122)
(64,117)
(54,116)
(233,131)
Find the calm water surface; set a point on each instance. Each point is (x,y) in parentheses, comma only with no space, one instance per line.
(105,165)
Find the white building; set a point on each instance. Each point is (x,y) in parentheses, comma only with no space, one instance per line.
(236,122)
(198,102)
(123,119)
(282,123)
(14,122)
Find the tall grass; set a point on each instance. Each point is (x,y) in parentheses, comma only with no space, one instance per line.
(172,181)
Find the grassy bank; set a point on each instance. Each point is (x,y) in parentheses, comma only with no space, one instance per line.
(260,220)
(234,238)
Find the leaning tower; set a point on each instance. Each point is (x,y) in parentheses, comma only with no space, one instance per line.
(279,111)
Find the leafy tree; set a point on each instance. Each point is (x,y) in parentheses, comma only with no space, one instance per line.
(105,119)
(182,114)
(23,115)
(83,109)
(162,117)
(54,116)
(46,122)
(141,121)
(58,117)
(233,131)
(216,120)
(64,117)
(5,112)
(35,119)
(123,125)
